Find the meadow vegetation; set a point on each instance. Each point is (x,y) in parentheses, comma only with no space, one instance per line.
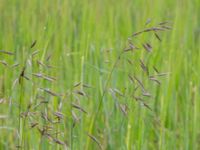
(99,74)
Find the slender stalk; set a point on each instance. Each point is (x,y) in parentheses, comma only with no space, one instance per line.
(71,121)
(20,110)
(107,83)
(102,97)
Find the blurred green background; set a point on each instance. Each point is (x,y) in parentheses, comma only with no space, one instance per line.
(76,35)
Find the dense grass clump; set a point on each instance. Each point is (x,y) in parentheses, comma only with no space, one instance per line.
(99,74)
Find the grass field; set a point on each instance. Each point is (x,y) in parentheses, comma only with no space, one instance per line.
(66,83)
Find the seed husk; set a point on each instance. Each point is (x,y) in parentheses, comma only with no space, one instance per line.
(157,36)
(34,124)
(78,107)
(59,115)
(124,109)
(15,65)
(35,53)
(140,83)
(77,84)
(6,52)
(40,75)
(155,80)
(147,47)
(50,92)
(3,62)
(33,44)
(58,141)
(95,140)
(82,93)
